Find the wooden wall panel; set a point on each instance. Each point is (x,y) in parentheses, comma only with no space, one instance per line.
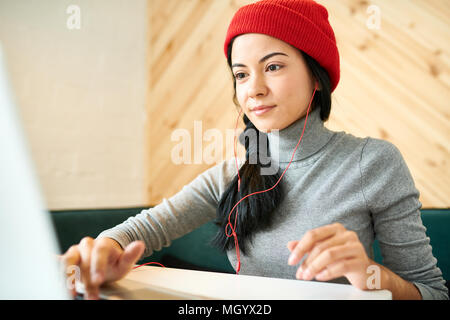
(394,85)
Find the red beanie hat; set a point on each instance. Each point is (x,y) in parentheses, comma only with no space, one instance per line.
(301,23)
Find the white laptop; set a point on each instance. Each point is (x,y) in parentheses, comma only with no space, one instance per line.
(28,267)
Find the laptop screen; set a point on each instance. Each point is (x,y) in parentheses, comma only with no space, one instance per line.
(29,267)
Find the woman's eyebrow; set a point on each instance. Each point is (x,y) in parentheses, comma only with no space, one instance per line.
(270,55)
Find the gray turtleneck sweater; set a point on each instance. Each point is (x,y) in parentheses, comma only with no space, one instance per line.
(363,183)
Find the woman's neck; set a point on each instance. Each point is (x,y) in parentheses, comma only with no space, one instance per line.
(283,142)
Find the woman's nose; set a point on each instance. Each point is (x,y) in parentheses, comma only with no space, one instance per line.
(257,87)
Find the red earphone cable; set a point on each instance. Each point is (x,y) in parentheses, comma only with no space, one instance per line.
(233,233)
(138,266)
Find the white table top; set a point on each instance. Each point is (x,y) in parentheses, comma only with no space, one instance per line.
(189,284)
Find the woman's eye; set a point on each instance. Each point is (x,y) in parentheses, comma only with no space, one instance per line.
(239,75)
(274,67)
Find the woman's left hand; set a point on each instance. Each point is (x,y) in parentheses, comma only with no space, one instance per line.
(333,252)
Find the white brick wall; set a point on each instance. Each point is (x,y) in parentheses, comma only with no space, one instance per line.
(82,97)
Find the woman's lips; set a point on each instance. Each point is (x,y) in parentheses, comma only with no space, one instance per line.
(262,110)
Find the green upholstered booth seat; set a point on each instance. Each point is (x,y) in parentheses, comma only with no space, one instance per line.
(193,251)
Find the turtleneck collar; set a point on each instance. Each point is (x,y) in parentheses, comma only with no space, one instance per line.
(314,138)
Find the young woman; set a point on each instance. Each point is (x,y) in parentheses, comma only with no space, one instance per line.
(330,197)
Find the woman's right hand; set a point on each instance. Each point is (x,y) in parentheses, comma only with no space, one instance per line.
(100,261)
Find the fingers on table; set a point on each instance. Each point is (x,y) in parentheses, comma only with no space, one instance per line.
(100,255)
(131,255)
(86,246)
(71,258)
(310,239)
(332,262)
(327,244)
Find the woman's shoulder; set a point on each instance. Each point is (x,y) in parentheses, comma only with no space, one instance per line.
(369,147)
(222,173)
(376,149)
(226,167)
(214,180)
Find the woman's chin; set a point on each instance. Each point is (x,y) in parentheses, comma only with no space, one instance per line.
(268,124)
(265,127)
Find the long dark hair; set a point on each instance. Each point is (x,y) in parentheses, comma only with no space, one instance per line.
(255,212)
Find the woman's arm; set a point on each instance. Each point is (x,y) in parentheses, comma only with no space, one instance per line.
(400,288)
(194,205)
(333,252)
(393,201)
